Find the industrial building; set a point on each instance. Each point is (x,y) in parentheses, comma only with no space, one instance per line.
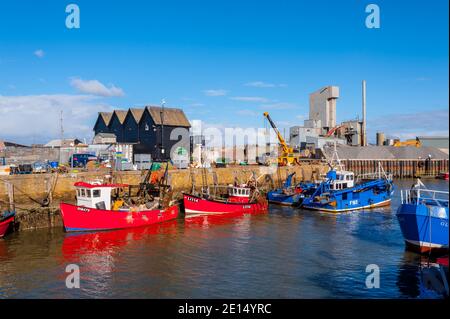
(148,129)
(440,142)
(320,128)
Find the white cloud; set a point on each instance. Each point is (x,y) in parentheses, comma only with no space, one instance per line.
(36,118)
(39,53)
(404,126)
(247,113)
(218,92)
(250,99)
(95,87)
(423,78)
(279,106)
(261,84)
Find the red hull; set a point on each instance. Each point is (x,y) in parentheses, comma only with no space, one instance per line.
(4,225)
(194,205)
(77,218)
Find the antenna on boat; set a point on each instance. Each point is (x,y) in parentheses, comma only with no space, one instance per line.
(335,161)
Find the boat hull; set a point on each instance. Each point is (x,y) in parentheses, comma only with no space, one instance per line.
(424,227)
(78,219)
(277,197)
(195,205)
(5,225)
(362,196)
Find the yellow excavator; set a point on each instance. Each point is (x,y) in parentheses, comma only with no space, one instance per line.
(287,156)
(412,142)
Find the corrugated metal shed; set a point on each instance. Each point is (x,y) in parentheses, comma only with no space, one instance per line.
(172,116)
(384,152)
(435,141)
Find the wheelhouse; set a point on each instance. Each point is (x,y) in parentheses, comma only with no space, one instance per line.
(341,179)
(239,192)
(95,194)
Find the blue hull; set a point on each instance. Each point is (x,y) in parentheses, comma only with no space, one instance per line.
(424,227)
(362,196)
(277,197)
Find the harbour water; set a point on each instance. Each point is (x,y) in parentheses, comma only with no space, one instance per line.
(286,253)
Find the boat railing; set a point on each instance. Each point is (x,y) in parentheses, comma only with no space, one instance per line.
(420,195)
(378,174)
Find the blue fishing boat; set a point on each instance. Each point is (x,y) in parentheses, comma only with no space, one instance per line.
(341,191)
(289,194)
(423,218)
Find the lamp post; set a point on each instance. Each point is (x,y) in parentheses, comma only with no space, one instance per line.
(163,102)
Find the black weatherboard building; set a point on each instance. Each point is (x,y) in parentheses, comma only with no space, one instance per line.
(149,129)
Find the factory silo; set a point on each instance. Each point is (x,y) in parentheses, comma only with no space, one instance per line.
(381,138)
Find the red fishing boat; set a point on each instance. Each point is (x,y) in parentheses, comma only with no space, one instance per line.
(443,175)
(6,220)
(95,210)
(240,199)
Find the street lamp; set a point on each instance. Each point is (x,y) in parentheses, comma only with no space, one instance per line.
(163,102)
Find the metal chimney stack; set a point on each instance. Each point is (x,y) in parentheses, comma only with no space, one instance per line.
(364,135)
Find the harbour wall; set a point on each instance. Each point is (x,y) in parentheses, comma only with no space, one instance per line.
(30,190)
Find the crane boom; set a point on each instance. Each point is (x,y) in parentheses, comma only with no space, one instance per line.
(280,137)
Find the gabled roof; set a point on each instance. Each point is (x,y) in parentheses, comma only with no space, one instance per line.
(120,115)
(106,116)
(171,116)
(137,114)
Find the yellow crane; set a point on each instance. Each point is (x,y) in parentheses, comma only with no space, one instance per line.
(411,142)
(287,156)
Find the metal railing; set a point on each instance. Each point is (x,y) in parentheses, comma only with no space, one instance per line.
(379,173)
(418,195)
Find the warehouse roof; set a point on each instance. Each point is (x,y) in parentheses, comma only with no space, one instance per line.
(384,152)
(137,114)
(121,115)
(106,116)
(172,116)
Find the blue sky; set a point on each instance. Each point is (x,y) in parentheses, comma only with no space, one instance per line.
(223,61)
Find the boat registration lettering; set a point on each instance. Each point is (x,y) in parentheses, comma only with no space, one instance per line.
(192,199)
(353,202)
(83,209)
(246,206)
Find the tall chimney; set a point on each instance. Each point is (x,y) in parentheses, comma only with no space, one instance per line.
(364,136)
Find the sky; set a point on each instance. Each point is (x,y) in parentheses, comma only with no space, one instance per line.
(224,62)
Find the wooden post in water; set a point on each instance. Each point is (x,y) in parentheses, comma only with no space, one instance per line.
(10,190)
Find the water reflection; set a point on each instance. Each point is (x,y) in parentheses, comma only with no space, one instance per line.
(285,253)
(423,276)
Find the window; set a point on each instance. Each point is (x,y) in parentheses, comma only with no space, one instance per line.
(88,193)
(96,193)
(78,192)
(83,193)
(344,196)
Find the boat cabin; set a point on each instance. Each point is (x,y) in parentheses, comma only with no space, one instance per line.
(239,194)
(341,179)
(95,194)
